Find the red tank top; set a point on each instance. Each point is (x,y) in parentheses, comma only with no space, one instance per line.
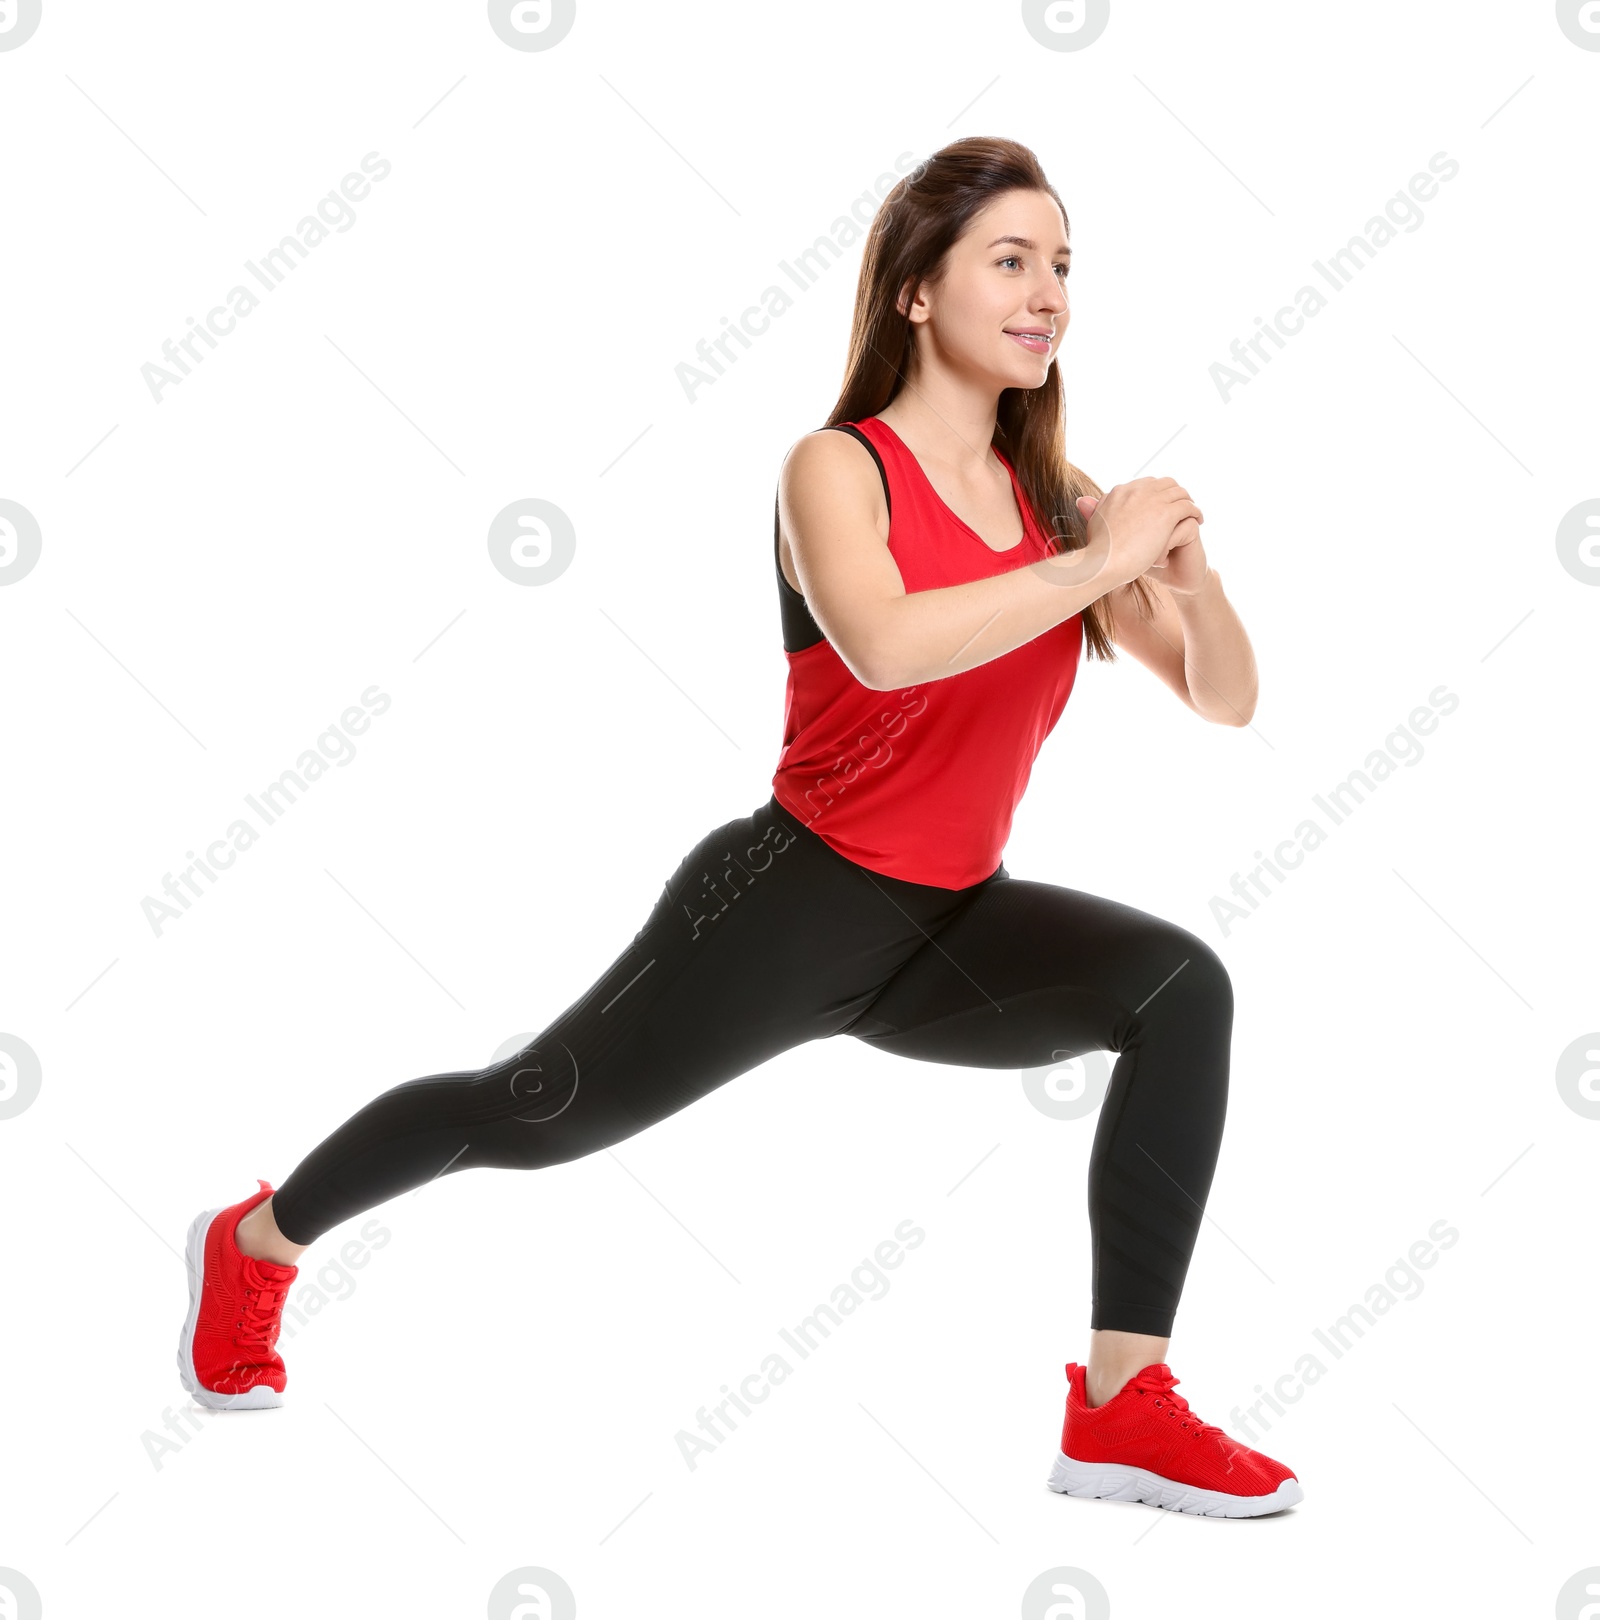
(920,783)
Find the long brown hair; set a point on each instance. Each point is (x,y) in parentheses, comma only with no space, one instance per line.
(910,236)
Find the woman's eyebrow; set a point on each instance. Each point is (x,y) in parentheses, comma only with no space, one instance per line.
(1023,242)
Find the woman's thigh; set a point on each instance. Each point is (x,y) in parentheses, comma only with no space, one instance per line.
(1027,973)
(763,938)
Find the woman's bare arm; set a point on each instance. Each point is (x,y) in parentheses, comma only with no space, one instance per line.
(832,508)
(1195,643)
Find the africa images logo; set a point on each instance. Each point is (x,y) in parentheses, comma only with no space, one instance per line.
(18,19)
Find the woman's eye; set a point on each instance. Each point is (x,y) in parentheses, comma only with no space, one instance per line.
(1012,258)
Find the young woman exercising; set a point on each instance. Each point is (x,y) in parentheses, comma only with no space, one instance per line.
(933,625)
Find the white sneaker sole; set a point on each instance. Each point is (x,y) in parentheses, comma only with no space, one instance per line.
(1116,1482)
(195,1256)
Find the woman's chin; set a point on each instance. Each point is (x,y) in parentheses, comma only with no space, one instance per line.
(1038,376)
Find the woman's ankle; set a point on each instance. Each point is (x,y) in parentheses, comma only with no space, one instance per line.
(1103,1387)
(257,1235)
(1114,1357)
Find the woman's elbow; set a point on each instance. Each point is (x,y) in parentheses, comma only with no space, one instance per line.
(867,656)
(874,672)
(869,647)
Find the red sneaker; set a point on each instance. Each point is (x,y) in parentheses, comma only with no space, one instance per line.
(225,1352)
(1145,1445)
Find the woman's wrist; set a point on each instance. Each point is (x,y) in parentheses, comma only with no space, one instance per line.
(1210,585)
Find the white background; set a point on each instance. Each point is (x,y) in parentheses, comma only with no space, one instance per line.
(225,572)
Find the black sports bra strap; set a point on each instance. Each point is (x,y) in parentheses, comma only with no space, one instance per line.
(799,629)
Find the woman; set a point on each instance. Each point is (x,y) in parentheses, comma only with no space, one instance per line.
(932,627)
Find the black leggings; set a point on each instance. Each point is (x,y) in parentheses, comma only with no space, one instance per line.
(764,938)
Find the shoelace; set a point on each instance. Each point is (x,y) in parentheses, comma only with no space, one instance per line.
(257,1330)
(1161,1386)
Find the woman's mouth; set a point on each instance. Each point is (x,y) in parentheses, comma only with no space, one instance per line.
(1035,342)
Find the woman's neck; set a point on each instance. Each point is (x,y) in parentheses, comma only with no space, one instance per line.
(954,431)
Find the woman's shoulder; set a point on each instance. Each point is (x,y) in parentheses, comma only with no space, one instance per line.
(829,476)
(826,455)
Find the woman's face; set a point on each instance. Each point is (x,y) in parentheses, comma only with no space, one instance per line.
(1006,274)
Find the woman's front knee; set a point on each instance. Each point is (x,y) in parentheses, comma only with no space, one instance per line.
(1211,971)
(1196,982)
